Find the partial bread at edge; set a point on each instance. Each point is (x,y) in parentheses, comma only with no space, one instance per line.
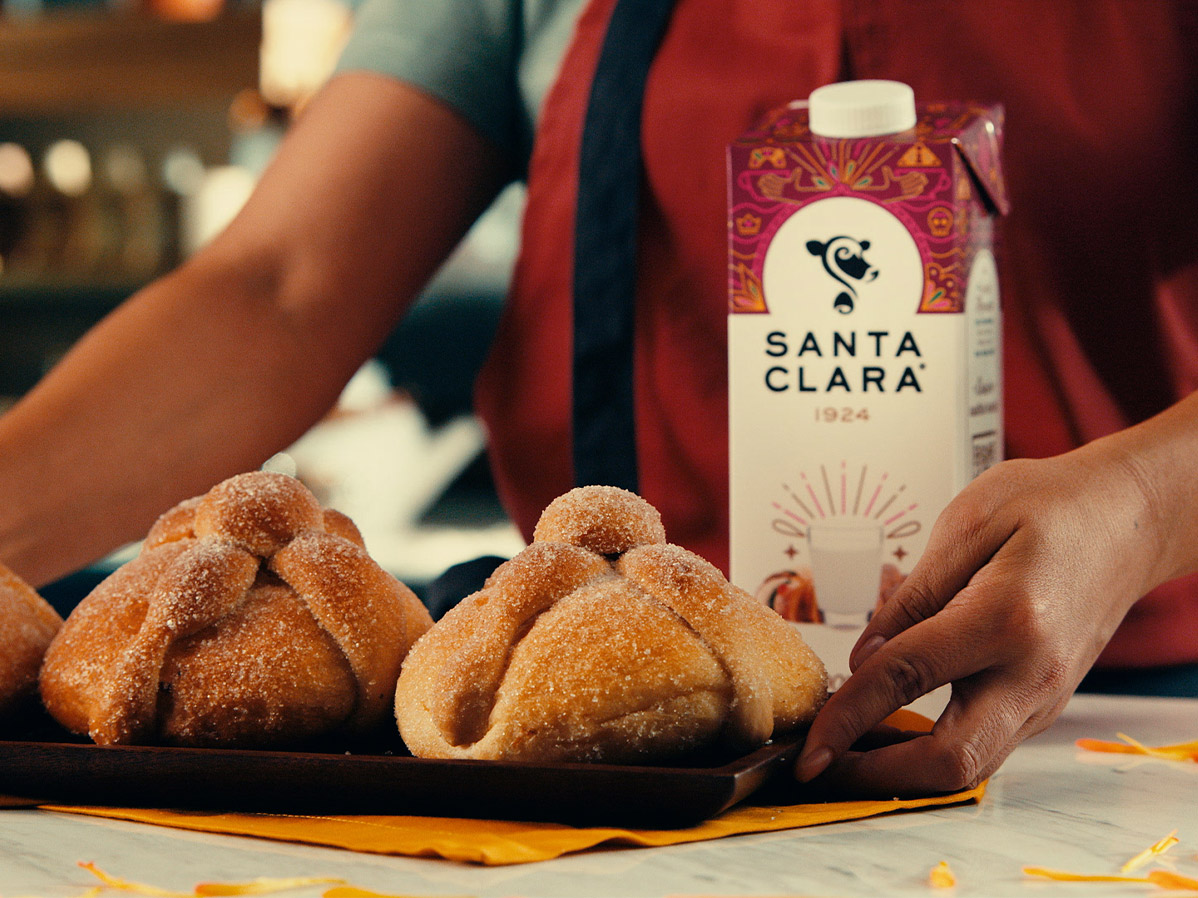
(27,625)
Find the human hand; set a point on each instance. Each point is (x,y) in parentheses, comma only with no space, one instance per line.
(1025,577)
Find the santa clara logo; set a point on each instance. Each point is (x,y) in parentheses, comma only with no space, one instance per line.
(843,258)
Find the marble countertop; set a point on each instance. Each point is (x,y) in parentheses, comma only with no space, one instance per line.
(1050,805)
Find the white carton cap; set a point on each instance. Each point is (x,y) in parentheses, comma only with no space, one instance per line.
(861,108)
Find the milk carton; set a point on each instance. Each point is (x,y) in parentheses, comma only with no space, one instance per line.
(864,350)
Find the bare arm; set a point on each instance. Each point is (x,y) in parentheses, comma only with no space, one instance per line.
(211,369)
(1024,580)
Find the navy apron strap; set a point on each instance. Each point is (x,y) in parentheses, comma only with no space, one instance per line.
(457,582)
(605,247)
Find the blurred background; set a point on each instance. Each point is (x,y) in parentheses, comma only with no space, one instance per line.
(131,131)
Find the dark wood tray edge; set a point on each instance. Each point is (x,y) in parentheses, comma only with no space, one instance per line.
(269,781)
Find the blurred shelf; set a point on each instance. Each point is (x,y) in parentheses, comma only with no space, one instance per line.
(55,294)
(63,63)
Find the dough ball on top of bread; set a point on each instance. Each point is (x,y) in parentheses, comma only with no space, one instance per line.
(603,642)
(250,617)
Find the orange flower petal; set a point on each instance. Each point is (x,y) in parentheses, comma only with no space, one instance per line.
(1167,880)
(354,892)
(1182,751)
(261,886)
(1162,878)
(1062,876)
(125,885)
(1120,748)
(942,877)
(1155,850)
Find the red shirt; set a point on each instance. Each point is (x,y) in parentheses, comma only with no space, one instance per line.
(1099,254)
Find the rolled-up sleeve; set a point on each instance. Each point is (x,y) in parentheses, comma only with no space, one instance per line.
(463,52)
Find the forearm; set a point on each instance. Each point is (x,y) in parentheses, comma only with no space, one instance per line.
(211,369)
(1161,454)
(177,389)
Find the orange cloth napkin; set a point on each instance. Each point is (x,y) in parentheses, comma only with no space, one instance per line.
(497,842)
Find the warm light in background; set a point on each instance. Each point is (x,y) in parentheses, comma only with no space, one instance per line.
(301,40)
(68,167)
(125,168)
(187,10)
(16,170)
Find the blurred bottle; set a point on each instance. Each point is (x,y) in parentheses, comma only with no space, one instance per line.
(75,207)
(38,251)
(180,175)
(134,217)
(16,185)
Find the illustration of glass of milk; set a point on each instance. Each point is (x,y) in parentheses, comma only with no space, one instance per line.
(846,566)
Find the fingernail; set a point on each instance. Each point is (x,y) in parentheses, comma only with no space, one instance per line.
(863,651)
(813,764)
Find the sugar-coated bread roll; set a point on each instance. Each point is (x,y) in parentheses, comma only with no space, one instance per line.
(601,641)
(27,624)
(250,617)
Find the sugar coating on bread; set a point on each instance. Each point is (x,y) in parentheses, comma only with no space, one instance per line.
(601,641)
(27,625)
(252,616)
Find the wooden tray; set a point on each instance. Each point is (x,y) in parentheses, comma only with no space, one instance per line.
(382,778)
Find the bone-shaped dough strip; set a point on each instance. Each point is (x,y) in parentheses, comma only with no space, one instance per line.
(518,591)
(697,592)
(203,584)
(347,592)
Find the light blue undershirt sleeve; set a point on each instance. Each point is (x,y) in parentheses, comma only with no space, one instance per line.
(463,52)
